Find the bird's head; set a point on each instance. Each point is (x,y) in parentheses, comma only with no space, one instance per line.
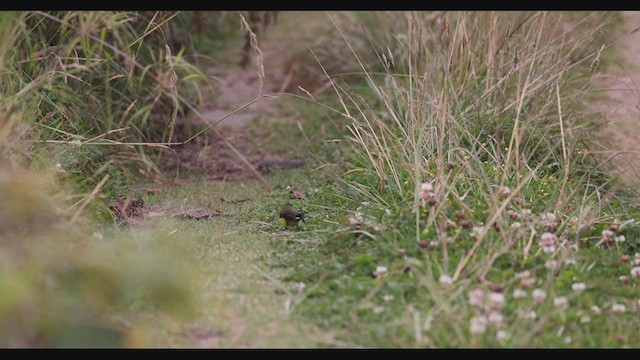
(288,207)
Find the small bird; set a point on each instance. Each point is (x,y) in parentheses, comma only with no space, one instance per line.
(289,216)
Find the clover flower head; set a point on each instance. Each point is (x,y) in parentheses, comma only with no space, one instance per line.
(478,324)
(539,296)
(578,287)
(561,302)
(380,271)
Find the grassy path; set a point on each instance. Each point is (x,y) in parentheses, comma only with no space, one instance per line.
(242,304)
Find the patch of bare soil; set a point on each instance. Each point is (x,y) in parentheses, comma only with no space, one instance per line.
(233,88)
(210,155)
(621,108)
(204,338)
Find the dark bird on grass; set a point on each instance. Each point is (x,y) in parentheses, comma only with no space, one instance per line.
(289,216)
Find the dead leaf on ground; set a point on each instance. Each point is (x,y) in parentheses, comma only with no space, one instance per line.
(297,194)
(126,208)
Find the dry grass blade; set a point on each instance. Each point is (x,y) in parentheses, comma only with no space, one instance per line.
(173,88)
(259,55)
(89,198)
(178,96)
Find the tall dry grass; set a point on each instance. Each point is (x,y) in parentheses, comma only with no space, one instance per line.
(84,96)
(477,131)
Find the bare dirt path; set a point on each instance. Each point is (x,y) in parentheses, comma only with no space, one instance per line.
(281,44)
(284,47)
(622,105)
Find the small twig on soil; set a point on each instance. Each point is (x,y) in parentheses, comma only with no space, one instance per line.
(200,214)
(233,201)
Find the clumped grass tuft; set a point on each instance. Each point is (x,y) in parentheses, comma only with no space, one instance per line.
(85,100)
(94,91)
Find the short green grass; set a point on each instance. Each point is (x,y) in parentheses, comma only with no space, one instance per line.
(240,301)
(342,294)
(410,306)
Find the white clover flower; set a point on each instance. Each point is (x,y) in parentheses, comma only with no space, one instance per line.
(635,272)
(495,318)
(477,232)
(596,309)
(476,297)
(425,187)
(505,191)
(568,339)
(578,287)
(548,217)
(561,302)
(525,214)
(300,286)
(551,264)
(620,239)
(585,319)
(356,219)
(478,324)
(519,294)
(548,220)
(427,196)
(502,336)
(548,242)
(636,261)
(516,225)
(446,281)
(496,300)
(570,261)
(387,298)
(618,308)
(530,315)
(607,235)
(549,249)
(527,282)
(539,296)
(380,271)
(623,278)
